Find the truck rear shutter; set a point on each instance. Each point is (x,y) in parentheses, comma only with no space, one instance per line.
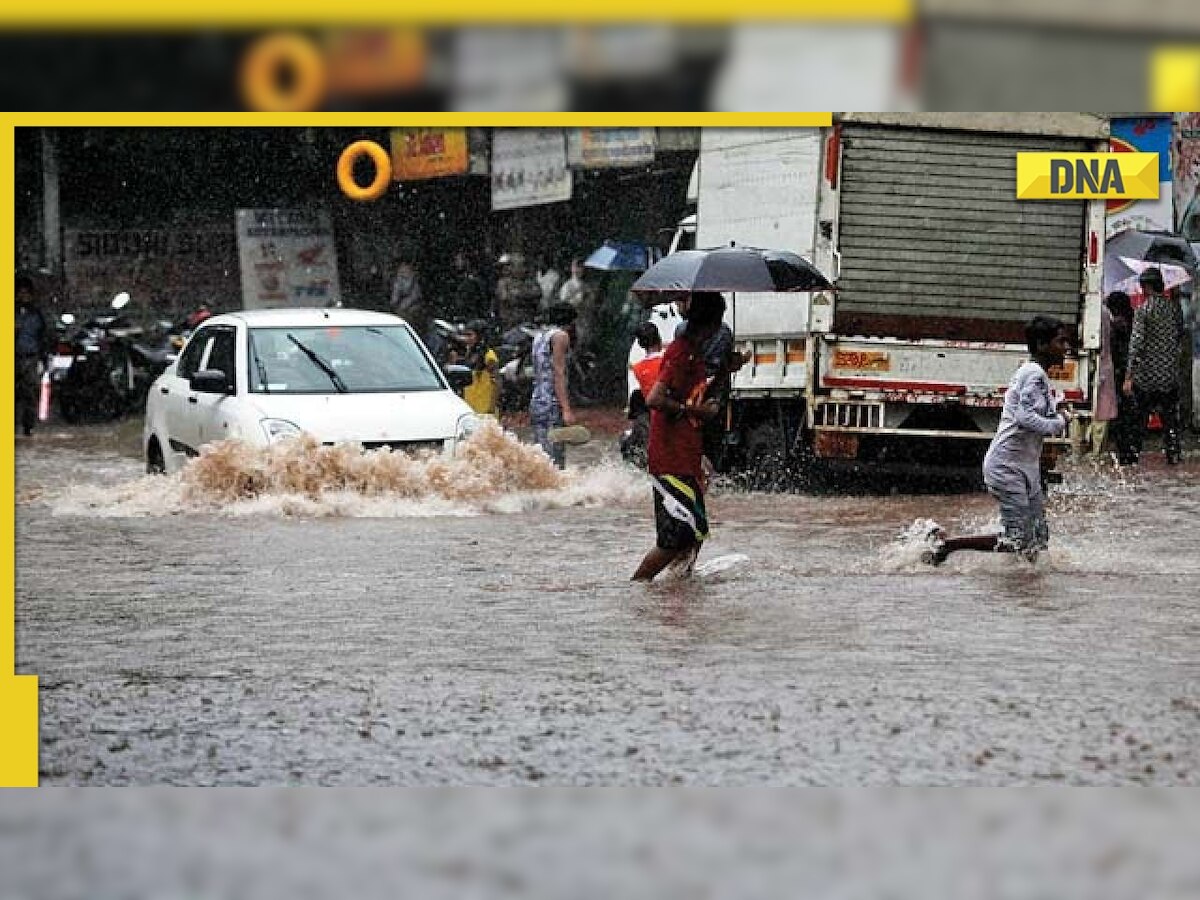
(932,236)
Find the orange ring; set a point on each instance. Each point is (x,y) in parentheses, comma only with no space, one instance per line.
(345,171)
(261,66)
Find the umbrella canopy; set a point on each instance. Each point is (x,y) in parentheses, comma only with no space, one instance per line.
(1153,246)
(1117,272)
(617,256)
(729,269)
(1124,250)
(1173,276)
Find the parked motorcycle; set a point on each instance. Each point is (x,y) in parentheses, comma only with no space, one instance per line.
(516,367)
(91,373)
(149,358)
(104,368)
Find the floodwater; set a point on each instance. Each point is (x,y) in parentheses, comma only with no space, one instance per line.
(318,617)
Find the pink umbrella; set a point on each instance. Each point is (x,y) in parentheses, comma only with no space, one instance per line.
(1172,275)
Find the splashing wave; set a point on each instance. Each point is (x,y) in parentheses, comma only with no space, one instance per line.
(492,473)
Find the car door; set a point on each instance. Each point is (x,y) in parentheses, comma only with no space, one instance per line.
(180,401)
(214,411)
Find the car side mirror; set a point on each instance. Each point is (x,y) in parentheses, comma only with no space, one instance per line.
(460,377)
(210,381)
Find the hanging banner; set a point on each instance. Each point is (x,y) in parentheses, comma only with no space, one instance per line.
(1144,134)
(1186,174)
(168,270)
(529,167)
(599,148)
(287,258)
(675,139)
(428,153)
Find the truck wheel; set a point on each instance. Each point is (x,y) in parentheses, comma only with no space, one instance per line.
(806,469)
(770,466)
(766,459)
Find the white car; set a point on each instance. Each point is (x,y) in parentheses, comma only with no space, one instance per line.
(341,375)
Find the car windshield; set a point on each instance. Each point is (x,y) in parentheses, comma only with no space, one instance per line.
(338,359)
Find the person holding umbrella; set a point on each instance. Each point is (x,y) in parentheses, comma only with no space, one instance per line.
(721,363)
(678,409)
(687,275)
(1152,371)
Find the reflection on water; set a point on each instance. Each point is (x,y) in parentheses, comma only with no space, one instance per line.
(339,633)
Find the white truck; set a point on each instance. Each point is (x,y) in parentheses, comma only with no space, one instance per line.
(937,266)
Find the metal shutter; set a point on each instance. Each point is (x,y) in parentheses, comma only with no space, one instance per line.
(930,227)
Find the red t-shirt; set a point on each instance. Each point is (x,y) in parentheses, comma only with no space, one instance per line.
(646,372)
(677,445)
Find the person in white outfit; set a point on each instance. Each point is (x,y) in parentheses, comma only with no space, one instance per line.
(1012,466)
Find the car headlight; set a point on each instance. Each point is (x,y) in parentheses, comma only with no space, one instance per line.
(467,423)
(278,429)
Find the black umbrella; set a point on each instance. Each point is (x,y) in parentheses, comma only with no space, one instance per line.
(1152,246)
(728,269)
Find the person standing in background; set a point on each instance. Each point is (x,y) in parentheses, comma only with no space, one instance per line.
(407,300)
(470,297)
(517,293)
(483,394)
(576,292)
(32,348)
(549,280)
(572,290)
(1122,428)
(1152,373)
(550,403)
(1105,410)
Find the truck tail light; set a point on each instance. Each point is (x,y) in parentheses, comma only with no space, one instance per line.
(833,153)
(1093,249)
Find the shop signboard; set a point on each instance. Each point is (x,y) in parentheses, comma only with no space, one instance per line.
(529,167)
(287,258)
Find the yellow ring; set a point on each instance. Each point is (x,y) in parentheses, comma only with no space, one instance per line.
(261,66)
(345,171)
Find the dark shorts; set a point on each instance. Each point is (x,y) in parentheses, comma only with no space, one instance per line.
(679,514)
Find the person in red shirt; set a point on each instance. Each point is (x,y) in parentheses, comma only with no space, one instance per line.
(645,370)
(678,409)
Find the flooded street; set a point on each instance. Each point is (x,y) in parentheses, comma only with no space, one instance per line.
(486,633)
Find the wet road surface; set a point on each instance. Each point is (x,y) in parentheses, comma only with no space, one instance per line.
(491,636)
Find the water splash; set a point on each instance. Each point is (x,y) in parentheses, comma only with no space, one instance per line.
(493,472)
(720,565)
(904,553)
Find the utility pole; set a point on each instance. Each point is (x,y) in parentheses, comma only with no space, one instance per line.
(52,249)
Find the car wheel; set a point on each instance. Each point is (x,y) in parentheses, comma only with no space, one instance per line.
(155,464)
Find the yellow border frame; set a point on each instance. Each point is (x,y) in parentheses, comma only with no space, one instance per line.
(238,14)
(18,693)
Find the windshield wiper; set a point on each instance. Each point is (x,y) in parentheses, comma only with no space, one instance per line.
(259,367)
(322,364)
